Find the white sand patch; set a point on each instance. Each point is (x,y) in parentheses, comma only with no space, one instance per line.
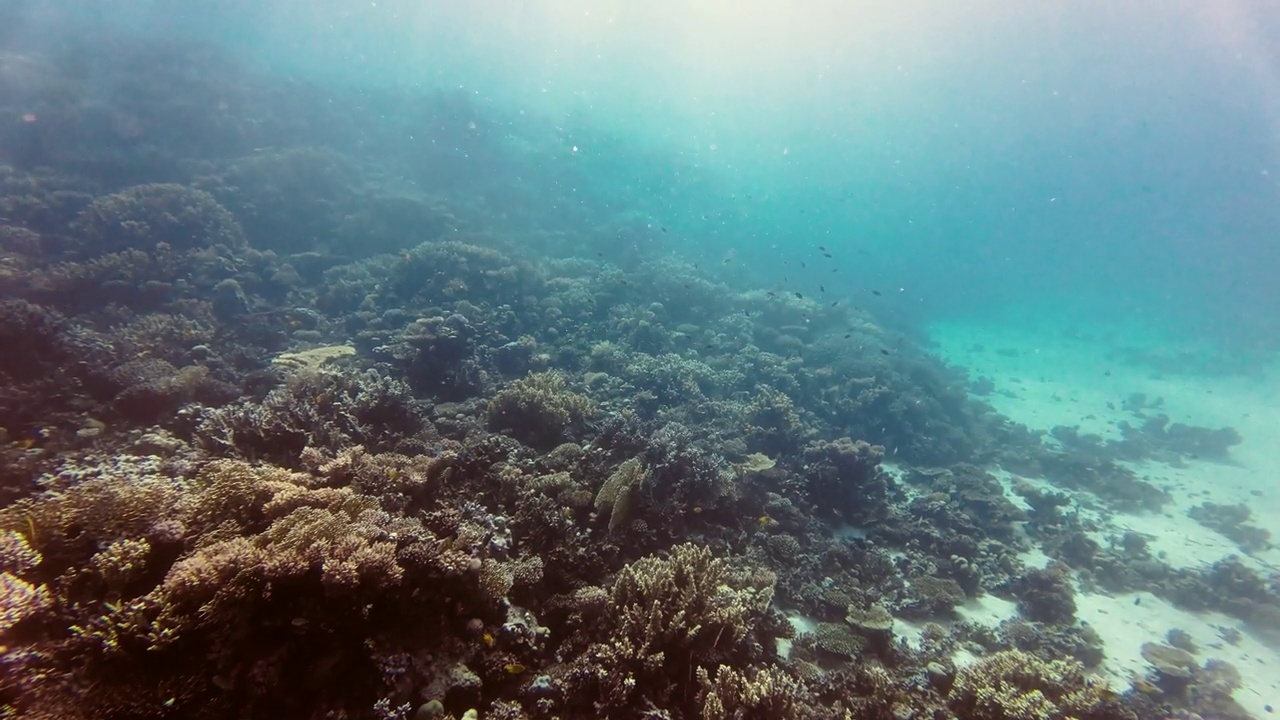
(801,624)
(987,610)
(1125,627)
(909,632)
(1083,380)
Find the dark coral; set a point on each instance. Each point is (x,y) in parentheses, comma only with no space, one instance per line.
(1046,595)
(142,217)
(326,409)
(845,480)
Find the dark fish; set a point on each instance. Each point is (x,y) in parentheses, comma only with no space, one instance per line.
(848,335)
(833,303)
(823,249)
(662,229)
(822,288)
(883,351)
(875,292)
(803,265)
(826,254)
(799,296)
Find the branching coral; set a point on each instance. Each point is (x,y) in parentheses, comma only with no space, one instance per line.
(773,423)
(539,409)
(141,217)
(19,600)
(250,565)
(330,409)
(755,692)
(1012,685)
(668,617)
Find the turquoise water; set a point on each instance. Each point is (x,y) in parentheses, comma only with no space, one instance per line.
(1033,242)
(1093,160)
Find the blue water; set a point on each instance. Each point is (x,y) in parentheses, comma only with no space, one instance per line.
(1071,207)
(1091,161)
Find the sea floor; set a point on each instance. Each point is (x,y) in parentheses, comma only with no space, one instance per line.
(1059,377)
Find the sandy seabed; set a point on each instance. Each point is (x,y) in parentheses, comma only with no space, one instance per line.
(1069,379)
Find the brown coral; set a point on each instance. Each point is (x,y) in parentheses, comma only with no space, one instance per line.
(668,617)
(539,409)
(143,216)
(19,600)
(618,495)
(1013,685)
(754,692)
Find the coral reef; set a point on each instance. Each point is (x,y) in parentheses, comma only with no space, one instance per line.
(305,422)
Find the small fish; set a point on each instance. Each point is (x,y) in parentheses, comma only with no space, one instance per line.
(823,249)
(514,668)
(662,229)
(487,639)
(697,509)
(803,265)
(26,443)
(764,521)
(876,293)
(826,254)
(848,335)
(883,351)
(834,303)
(822,288)
(799,296)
